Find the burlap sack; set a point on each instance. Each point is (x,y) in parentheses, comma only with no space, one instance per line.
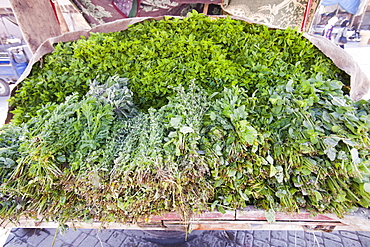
(359,82)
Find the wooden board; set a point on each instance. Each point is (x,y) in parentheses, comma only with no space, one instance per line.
(250,219)
(37,20)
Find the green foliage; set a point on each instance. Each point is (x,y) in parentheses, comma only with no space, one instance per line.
(212,114)
(160,167)
(306,147)
(301,145)
(11,138)
(64,143)
(157,56)
(131,167)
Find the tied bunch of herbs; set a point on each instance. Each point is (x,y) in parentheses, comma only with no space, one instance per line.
(99,158)
(211,114)
(303,144)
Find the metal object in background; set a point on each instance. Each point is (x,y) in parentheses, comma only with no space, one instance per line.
(13,62)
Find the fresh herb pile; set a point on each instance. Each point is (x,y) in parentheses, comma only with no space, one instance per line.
(157,56)
(212,114)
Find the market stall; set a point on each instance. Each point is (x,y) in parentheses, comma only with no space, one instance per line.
(160,122)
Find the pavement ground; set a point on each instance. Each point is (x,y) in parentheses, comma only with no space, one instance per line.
(30,237)
(21,237)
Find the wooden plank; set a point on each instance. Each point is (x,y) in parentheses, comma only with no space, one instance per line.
(205,9)
(37,20)
(229,215)
(218,221)
(215,215)
(166,216)
(60,17)
(254,225)
(260,215)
